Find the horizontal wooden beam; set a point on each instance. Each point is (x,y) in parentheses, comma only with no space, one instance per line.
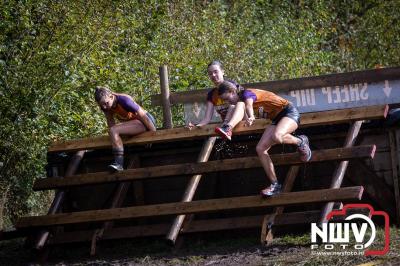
(200,206)
(372,75)
(366,151)
(195,226)
(178,134)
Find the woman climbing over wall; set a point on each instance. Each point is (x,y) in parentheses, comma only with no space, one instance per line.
(133,120)
(285,120)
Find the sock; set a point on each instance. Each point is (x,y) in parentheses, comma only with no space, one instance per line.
(227,126)
(118,155)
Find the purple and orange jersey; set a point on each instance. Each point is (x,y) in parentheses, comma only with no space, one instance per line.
(125,109)
(219,104)
(265,103)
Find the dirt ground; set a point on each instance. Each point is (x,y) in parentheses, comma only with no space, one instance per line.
(219,249)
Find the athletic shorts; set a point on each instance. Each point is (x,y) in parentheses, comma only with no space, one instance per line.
(289,111)
(152,119)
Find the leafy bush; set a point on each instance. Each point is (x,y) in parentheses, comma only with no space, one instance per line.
(52,54)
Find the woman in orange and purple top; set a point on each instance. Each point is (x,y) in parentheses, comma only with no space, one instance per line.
(133,120)
(216,73)
(285,120)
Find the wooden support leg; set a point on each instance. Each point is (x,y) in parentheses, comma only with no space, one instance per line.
(119,196)
(267,233)
(59,197)
(341,169)
(190,190)
(395,171)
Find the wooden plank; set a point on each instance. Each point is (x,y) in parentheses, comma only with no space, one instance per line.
(194,227)
(342,167)
(372,75)
(395,173)
(267,231)
(292,198)
(177,134)
(201,168)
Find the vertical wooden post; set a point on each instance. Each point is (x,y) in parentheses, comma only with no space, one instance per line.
(59,197)
(166,104)
(341,169)
(395,172)
(191,189)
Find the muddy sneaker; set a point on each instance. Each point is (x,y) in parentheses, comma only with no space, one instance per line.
(272,190)
(304,149)
(224,131)
(115,167)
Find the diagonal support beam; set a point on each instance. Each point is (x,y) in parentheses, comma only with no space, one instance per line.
(190,190)
(119,196)
(267,233)
(341,169)
(59,197)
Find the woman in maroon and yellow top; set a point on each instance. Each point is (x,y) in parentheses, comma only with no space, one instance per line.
(285,120)
(216,74)
(133,120)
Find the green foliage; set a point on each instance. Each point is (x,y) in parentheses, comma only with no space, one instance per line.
(52,54)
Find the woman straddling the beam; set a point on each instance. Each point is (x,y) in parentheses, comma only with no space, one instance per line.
(285,120)
(216,74)
(133,120)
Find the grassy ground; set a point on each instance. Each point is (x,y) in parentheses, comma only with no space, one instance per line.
(213,249)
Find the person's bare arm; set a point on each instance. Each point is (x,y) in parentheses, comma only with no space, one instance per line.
(110,119)
(250,112)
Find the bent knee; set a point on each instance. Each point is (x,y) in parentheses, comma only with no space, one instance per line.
(277,137)
(112,131)
(261,149)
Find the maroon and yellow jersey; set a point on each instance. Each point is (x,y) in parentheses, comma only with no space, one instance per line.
(265,103)
(219,104)
(125,109)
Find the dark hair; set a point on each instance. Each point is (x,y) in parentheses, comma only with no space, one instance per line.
(226,86)
(100,92)
(216,63)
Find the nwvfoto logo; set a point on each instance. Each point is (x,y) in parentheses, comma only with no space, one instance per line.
(337,234)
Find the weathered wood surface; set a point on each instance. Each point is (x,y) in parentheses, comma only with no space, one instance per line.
(176,134)
(340,171)
(201,168)
(292,218)
(60,196)
(211,205)
(191,190)
(355,77)
(166,105)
